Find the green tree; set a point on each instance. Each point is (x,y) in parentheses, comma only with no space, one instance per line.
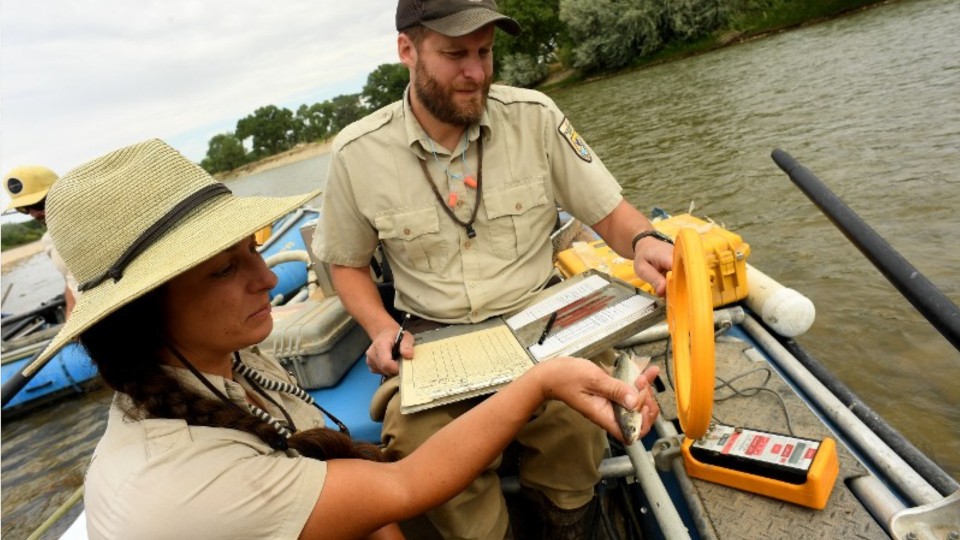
(225,152)
(689,19)
(523,70)
(273,130)
(15,234)
(346,109)
(315,121)
(610,34)
(542,31)
(385,85)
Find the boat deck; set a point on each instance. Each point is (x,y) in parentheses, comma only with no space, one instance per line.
(731,513)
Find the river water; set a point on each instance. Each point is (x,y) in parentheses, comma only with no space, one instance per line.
(871,104)
(868,102)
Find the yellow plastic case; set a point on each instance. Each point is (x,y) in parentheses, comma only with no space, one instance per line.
(597,255)
(689,317)
(263,234)
(813,493)
(725,254)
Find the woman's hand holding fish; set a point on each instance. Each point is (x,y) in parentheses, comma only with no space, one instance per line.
(589,390)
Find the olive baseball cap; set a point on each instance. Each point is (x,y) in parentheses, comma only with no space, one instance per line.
(453,17)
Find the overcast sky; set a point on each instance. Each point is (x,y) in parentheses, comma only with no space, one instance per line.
(81,78)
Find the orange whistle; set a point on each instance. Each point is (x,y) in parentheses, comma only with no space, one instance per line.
(452,200)
(470,182)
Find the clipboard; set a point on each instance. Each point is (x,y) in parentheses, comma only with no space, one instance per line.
(593,312)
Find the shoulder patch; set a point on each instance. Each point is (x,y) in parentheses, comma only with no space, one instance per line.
(576,141)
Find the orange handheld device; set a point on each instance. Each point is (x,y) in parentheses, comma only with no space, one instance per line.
(801,471)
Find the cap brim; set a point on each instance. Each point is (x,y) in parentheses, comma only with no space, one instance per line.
(25,200)
(469,20)
(200,235)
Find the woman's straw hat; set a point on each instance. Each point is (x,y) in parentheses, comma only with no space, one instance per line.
(131,220)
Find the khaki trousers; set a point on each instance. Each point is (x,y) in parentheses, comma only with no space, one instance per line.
(561,453)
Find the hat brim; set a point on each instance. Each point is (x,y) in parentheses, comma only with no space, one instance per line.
(200,235)
(25,200)
(469,20)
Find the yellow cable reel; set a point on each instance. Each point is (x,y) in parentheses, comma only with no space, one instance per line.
(690,321)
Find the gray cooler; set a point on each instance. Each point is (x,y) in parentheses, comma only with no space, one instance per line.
(317,340)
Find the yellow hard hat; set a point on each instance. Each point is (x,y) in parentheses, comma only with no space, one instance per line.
(28,185)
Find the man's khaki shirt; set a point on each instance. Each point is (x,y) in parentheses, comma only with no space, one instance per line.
(61,266)
(533,160)
(163,478)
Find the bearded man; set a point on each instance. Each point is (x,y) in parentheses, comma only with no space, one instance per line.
(459,181)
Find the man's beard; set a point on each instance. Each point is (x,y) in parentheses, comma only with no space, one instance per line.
(440,101)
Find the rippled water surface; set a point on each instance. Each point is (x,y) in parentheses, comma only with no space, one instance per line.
(870,103)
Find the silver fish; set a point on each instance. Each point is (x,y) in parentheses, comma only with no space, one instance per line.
(628,369)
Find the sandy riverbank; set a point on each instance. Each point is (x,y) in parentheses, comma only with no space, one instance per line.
(13,256)
(301,151)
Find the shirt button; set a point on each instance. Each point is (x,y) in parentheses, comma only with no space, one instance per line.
(474,313)
(460,204)
(467,244)
(519,206)
(406,232)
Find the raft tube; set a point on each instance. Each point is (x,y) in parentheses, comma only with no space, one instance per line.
(286,236)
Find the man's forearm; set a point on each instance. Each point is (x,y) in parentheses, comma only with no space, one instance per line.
(69,300)
(360,298)
(620,226)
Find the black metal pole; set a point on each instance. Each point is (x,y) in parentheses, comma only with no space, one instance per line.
(924,466)
(13,385)
(44,311)
(942,313)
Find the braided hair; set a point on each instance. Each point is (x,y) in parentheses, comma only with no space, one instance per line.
(126,348)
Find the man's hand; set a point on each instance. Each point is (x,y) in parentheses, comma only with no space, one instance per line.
(652,259)
(379,354)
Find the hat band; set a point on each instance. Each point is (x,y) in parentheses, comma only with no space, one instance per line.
(152,234)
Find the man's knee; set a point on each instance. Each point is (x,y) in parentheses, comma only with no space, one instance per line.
(404,433)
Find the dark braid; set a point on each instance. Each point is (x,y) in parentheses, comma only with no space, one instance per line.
(126,347)
(323,443)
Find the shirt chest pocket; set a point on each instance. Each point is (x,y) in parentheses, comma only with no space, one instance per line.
(519,216)
(413,236)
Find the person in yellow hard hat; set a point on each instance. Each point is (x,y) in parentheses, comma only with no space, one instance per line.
(28,186)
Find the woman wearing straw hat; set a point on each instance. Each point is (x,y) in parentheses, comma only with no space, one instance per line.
(208,438)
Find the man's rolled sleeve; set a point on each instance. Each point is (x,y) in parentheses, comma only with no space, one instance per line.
(583,185)
(344,236)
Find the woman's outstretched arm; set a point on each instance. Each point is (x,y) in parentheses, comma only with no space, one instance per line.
(359,497)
